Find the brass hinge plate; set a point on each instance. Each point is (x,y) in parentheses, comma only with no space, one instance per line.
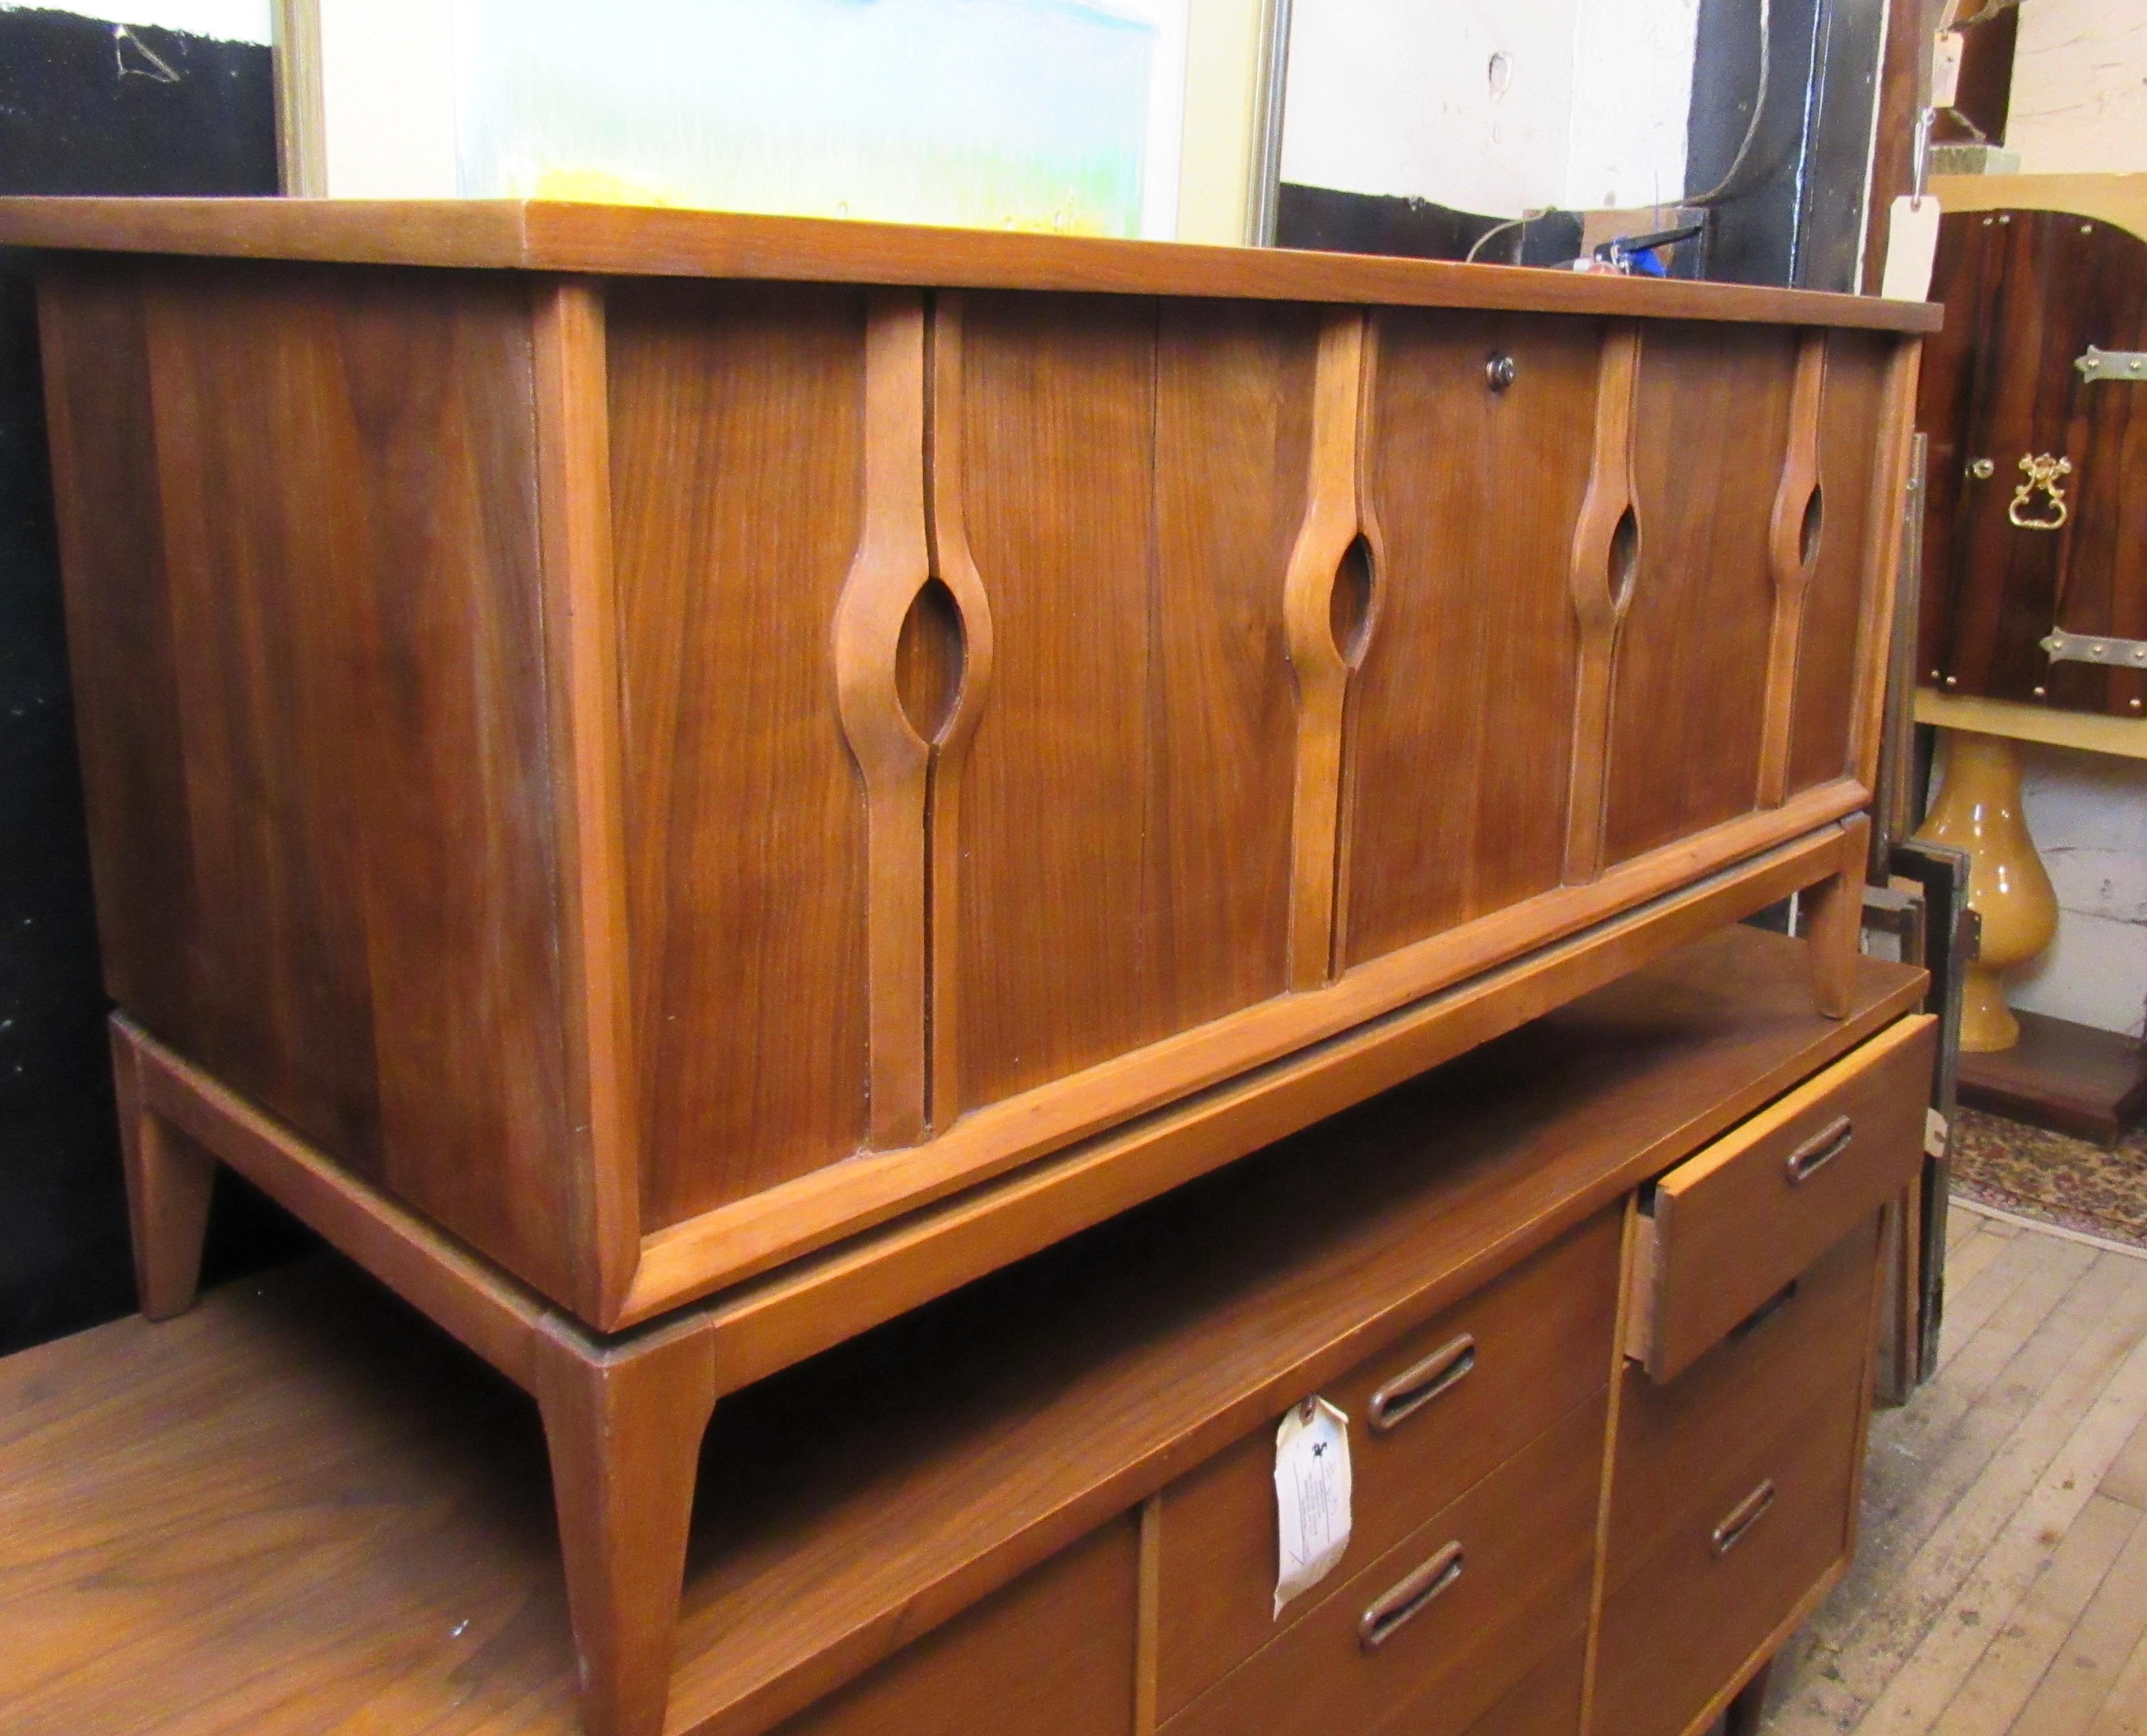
(2113,364)
(2080,647)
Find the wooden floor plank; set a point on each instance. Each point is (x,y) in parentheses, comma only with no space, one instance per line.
(2126,1479)
(1925,1456)
(1970,1577)
(2125,1712)
(2083,1675)
(1946,1471)
(2000,1464)
(2063,1582)
(1978,1281)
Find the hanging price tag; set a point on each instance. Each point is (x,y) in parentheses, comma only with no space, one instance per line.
(1312,1496)
(1912,248)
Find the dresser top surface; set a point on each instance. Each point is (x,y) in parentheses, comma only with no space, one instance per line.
(645,241)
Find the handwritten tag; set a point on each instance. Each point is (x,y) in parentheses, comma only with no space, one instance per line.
(1912,247)
(1312,1496)
(1934,1133)
(1946,67)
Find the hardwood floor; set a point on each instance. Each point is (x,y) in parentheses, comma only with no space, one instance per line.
(2001,1586)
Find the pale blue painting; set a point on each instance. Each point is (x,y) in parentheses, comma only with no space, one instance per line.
(1029,114)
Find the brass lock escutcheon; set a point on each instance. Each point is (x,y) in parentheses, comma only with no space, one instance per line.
(2043,470)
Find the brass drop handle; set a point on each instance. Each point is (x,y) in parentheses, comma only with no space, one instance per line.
(1386,1614)
(1416,1386)
(2043,471)
(1982,469)
(1743,1517)
(1819,1151)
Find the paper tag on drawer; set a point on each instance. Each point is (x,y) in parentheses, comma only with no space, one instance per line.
(1934,1133)
(1312,1496)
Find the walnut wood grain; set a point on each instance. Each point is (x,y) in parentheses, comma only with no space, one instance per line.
(300,530)
(795,1219)
(1322,666)
(891,565)
(575,530)
(898,1508)
(1473,664)
(169,1180)
(1858,495)
(1605,565)
(738,443)
(669,242)
(623,1430)
(966,685)
(1882,560)
(1794,535)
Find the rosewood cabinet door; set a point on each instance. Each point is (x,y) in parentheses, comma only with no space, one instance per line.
(2037,513)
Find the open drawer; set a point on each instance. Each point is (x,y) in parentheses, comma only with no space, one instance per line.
(1732,1226)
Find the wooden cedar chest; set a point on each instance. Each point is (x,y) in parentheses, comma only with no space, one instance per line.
(712,778)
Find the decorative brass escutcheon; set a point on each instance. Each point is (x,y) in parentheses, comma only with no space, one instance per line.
(2044,470)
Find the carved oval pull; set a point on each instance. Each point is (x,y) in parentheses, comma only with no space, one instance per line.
(1810,532)
(1349,603)
(2043,471)
(931,655)
(1624,558)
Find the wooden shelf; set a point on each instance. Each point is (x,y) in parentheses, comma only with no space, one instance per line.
(257,1516)
(2071,1079)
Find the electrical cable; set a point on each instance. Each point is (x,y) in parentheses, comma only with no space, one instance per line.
(1477,245)
(1721,188)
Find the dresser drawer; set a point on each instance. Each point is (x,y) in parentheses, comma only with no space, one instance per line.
(1808,1343)
(1713,1589)
(1429,1416)
(1052,1654)
(1432,1635)
(1546,1703)
(1729,1228)
(1732,1495)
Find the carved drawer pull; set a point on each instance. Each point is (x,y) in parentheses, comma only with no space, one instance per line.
(2043,470)
(1819,1151)
(1743,1517)
(1416,1387)
(1385,1616)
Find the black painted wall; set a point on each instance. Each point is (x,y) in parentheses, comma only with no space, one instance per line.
(1794,215)
(86,106)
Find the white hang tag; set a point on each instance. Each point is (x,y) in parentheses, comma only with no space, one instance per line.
(1312,1496)
(1934,1133)
(1912,248)
(1946,67)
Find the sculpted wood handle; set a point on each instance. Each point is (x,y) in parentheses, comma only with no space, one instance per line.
(1815,1154)
(1329,606)
(1409,1392)
(913,653)
(1387,1614)
(1742,1518)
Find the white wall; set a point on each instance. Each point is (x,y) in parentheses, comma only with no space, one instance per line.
(231,21)
(1491,108)
(2079,88)
(2088,815)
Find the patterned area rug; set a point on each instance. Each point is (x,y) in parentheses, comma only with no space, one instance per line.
(2052,1179)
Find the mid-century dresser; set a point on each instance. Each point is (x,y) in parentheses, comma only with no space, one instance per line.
(683,785)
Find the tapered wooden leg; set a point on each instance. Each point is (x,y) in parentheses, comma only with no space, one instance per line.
(624,1427)
(169,1179)
(1833,922)
(1742,1715)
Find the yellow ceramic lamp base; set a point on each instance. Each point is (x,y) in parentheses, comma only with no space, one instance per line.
(1978,810)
